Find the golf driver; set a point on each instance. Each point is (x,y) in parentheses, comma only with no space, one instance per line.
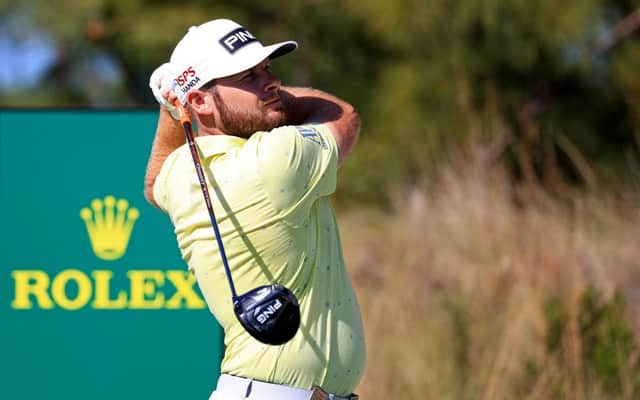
(269,313)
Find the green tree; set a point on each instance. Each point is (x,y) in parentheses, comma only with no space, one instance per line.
(553,88)
(529,76)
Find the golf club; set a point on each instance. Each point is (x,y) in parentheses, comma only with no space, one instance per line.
(269,313)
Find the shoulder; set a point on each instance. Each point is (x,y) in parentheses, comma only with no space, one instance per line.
(309,138)
(296,164)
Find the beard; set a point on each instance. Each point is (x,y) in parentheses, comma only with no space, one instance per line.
(244,122)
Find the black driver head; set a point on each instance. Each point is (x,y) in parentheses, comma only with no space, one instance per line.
(270,314)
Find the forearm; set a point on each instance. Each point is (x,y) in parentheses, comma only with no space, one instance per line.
(307,105)
(169,136)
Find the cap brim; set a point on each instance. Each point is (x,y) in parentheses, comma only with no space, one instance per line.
(270,52)
(279,49)
(244,62)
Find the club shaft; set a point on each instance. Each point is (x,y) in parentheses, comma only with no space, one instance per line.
(207,199)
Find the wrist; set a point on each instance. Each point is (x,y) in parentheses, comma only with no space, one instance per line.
(308,105)
(293,110)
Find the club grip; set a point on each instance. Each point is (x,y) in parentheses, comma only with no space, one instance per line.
(184,114)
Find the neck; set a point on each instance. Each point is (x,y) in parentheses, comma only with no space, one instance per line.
(208,131)
(207,125)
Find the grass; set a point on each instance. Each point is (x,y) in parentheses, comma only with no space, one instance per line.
(472,288)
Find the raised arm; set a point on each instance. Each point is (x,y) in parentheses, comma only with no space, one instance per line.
(307,105)
(169,136)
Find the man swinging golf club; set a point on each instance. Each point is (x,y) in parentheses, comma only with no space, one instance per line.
(260,173)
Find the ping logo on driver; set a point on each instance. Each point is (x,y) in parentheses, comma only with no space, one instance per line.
(237,39)
(271,309)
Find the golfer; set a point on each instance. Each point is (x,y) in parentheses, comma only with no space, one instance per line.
(270,155)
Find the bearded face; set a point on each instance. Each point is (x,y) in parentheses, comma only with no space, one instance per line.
(241,104)
(243,118)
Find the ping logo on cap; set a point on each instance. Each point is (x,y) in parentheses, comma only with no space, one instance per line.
(237,39)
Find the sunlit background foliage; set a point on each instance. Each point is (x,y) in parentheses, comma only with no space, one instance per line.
(495,187)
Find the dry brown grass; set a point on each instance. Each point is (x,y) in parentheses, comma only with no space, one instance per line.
(453,286)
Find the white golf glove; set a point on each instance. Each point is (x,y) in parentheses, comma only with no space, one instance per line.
(161,83)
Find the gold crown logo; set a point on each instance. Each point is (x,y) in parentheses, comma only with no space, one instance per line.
(109,224)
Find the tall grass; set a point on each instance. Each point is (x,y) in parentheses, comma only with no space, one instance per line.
(474,289)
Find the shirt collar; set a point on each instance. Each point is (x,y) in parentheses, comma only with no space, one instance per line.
(211,145)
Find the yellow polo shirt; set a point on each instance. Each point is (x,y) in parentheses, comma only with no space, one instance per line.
(270,196)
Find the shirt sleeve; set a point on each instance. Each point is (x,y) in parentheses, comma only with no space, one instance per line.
(160,189)
(297,165)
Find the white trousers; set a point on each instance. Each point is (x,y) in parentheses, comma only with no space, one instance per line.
(236,388)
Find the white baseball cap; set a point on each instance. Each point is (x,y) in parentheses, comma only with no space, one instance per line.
(217,49)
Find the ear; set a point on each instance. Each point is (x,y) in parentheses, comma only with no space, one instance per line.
(201,102)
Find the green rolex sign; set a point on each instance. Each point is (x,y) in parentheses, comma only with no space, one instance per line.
(95,301)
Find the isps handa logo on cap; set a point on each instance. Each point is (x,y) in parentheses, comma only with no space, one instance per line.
(109,224)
